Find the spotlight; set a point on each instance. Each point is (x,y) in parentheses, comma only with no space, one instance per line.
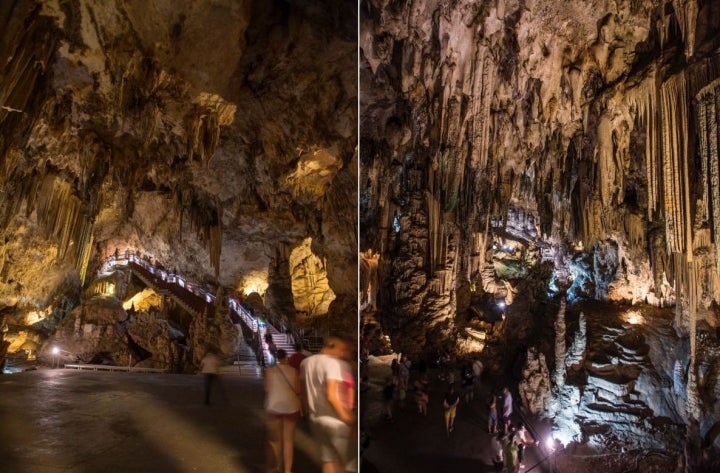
(55,350)
(501,304)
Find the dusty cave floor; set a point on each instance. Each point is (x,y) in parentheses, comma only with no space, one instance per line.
(88,422)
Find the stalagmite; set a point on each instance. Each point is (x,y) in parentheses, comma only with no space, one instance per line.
(577,350)
(560,352)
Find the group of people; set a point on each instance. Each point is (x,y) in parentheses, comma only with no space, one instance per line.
(508,440)
(321,386)
(509,448)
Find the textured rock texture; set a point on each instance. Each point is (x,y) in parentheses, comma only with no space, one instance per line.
(211,136)
(516,151)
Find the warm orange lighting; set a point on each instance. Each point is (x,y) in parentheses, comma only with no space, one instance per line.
(633,317)
(255,281)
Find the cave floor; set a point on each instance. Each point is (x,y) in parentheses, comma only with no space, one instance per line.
(412,443)
(88,422)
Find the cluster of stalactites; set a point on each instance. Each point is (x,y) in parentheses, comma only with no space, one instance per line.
(205,219)
(64,218)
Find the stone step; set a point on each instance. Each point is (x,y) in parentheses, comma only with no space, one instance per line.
(616,412)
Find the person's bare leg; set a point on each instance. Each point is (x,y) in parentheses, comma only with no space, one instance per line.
(329,467)
(288,441)
(274,427)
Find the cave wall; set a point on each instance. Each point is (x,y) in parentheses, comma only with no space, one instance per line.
(499,135)
(206,135)
(514,152)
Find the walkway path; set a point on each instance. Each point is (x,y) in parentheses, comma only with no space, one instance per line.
(67,421)
(196,300)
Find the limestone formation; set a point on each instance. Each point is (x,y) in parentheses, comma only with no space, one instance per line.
(206,136)
(518,152)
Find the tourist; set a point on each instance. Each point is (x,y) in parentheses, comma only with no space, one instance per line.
(421,398)
(507,409)
(496,447)
(395,370)
(492,416)
(510,455)
(328,393)
(297,357)
(450,403)
(404,372)
(477,368)
(522,438)
(388,398)
(210,367)
(282,403)
(467,383)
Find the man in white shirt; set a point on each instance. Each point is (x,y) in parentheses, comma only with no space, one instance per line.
(328,394)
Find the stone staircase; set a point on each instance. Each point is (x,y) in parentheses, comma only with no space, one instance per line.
(17,364)
(617,356)
(244,362)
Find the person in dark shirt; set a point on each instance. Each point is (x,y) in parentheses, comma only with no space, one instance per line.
(297,357)
(450,405)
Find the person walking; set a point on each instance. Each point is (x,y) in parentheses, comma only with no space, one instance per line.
(492,416)
(496,447)
(467,383)
(522,438)
(210,367)
(328,393)
(450,403)
(296,358)
(477,368)
(388,394)
(510,455)
(507,410)
(421,398)
(282,405)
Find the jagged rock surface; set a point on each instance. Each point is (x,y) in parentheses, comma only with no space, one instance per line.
(513,152)
(208,135)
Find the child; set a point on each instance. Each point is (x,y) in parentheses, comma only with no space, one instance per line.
(492,416)
(421,398)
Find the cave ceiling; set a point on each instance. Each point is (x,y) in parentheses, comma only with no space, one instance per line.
(565,146)
(213,136)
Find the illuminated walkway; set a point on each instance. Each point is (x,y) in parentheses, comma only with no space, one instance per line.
(88,422)
(196,300)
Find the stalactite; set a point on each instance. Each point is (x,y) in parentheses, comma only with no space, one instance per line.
(483,86)
(65,218)
(674,110)
(644,100)
(436,232)
(686,12)
(708,106)
(636,232)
